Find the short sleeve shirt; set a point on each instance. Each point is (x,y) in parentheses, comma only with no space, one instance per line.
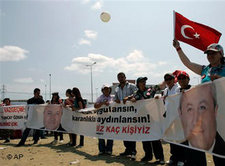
(34,100)
(172,91)
(127,90)
(208,70)
(103,98)
(76,101)
(147,94)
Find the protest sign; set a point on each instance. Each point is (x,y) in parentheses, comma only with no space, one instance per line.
(12,117)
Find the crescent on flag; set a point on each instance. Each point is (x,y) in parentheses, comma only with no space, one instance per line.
(182,31)
(195,34)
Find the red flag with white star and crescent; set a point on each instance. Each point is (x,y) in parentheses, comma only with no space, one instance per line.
(193,33)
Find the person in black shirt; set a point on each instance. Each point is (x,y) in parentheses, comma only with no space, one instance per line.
(37,99)
(56,100)
(150,147)
(78,104)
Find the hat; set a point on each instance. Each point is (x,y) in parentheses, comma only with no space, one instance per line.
(105,86)
(214,47)
(183,73)
(141,78)
(169,74)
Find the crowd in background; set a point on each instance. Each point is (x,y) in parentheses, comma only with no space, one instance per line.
(172,83)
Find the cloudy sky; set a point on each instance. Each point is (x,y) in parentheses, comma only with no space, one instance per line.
(61,38)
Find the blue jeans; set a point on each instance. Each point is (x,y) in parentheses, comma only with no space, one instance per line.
(105,147)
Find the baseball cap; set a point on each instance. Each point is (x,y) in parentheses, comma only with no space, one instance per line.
(105,86)
(214,47)
(141,78)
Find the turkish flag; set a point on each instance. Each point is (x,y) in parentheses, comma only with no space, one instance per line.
(193,33)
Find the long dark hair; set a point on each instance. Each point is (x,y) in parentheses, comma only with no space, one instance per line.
(76,92)
(56,100)
(69,91)
(77,95)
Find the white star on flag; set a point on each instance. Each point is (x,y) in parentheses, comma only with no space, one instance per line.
(196,35)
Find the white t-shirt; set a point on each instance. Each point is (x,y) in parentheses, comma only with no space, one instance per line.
(169,92)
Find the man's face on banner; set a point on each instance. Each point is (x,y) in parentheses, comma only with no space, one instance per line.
(198,117)
(52,116)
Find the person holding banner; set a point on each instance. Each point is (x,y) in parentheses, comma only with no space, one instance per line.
(56,100)
(171,87)
(78,104)
(215,69)
(149,147)
(6,133)
(104,99)
(69,102)
(190,157)
(37,99)
(124,92)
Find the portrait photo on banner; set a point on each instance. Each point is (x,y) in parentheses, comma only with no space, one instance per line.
(47,117)
(198,111)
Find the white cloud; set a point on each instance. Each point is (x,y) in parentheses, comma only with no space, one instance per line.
(84,42)
(24,80)
(135,63)
(135,56)
(97,6)
(90,34)
(12,53)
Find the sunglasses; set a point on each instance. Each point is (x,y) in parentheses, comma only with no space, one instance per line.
(211,53)
(168,79)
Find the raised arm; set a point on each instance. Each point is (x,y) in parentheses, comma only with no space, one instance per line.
(196,68)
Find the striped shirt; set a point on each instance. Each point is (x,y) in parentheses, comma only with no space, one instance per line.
(127,90)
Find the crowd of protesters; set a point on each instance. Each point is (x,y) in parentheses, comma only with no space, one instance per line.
(126,91)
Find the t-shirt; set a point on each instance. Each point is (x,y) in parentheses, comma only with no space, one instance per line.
(147,93)
(103,98)
(172,91)
(208,70)
(35,100)
(76,105)
(169,92)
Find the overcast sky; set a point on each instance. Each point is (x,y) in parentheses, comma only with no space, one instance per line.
(60,38)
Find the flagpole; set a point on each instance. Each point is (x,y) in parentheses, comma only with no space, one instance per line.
(174,21)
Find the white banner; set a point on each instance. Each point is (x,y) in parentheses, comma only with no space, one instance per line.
(12,117)
(138,121)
